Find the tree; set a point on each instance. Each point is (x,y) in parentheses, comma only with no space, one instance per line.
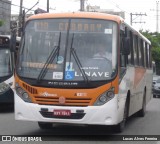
(155,42)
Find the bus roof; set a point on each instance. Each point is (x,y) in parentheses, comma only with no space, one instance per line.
(94,15)
(137,32)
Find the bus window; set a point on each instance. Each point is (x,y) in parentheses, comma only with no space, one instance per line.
(5,63)
(140,53)
(131,56)
(6,71)
(146,55)
(83,41)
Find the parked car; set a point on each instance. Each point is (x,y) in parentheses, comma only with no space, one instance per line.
(156,88)
(155,78)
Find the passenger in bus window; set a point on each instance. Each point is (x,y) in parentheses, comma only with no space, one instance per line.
(103,53)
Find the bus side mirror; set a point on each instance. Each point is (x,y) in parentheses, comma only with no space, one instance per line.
(126,47)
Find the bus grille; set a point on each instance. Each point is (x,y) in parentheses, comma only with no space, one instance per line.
(30,89)
(68,102)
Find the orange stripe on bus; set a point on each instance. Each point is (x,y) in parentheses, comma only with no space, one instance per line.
(139,75)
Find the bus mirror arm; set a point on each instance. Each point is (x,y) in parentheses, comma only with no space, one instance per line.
(127,46)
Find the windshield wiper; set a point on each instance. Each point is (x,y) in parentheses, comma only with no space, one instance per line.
(73,52)
(50,59)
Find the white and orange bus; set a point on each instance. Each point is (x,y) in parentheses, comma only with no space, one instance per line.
(59,79)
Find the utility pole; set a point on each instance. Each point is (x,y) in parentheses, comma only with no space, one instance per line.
(157,4)
(48,6)
(82,5)
(20,18)
(136,14)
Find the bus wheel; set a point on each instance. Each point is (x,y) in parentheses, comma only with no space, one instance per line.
(45,125)
(120,127)
(142,112)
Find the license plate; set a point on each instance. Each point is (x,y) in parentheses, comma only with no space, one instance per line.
(61,112)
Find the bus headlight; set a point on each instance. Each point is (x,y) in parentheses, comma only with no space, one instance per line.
(25,97)
(105,97)
(23,94)
(4,87)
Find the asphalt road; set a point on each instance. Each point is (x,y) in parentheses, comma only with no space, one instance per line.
(148,125)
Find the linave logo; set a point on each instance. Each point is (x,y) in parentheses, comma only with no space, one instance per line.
(47,94)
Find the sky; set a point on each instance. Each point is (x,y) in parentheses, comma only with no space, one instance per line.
(147,7)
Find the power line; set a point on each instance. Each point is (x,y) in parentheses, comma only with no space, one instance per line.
(118,6)
(136,14)
(45,7)
(14,5)
(32,6)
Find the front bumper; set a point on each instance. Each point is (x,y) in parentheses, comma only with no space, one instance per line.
(100,115)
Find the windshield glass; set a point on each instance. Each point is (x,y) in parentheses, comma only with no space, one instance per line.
(5,63)
(81,49)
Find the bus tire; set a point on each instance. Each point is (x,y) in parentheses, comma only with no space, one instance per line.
(141,113)
(120,127)
(45,125)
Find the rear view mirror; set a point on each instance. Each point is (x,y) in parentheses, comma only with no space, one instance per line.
(126,47)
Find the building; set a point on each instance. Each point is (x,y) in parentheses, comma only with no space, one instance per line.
(108,11)
(5,16)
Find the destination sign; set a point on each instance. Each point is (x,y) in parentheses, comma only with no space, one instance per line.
(81,25)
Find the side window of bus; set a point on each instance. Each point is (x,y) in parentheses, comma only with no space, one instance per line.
(150,56)
(135,49)
(122,57)
(146,55)
(131,55)
(140,51)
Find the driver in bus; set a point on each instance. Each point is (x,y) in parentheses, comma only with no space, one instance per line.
(102,52)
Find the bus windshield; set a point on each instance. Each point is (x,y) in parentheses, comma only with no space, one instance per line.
(5,63)
(69,50)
